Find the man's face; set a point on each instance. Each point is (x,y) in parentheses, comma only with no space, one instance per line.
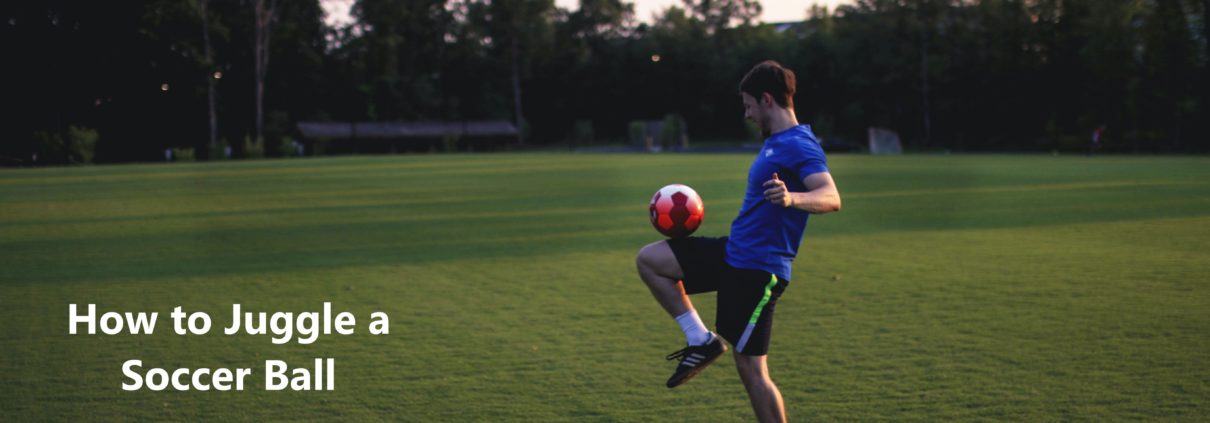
(756,112)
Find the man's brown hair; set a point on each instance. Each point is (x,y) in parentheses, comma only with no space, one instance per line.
(770,77)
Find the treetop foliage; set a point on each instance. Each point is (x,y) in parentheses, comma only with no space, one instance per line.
(961,75)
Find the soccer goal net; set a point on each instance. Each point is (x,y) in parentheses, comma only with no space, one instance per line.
(884,141)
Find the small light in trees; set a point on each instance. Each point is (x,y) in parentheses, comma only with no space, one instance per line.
(218,74)
(655,58)
(164,87)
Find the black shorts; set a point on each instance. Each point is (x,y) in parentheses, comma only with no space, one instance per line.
(746,297)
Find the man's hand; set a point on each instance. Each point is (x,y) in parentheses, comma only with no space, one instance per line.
(821,196)
(775,192)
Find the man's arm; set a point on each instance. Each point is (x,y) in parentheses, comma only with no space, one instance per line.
(821,196)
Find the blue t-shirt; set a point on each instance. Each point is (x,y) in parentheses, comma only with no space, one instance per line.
(765,236)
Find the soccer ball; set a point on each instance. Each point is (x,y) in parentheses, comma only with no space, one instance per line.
(676,211)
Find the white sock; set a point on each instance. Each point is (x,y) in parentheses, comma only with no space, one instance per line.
(695,330)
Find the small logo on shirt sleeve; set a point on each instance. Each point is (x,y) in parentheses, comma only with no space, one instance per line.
(768,152)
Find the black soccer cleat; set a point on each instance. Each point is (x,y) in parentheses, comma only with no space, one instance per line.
(694,359)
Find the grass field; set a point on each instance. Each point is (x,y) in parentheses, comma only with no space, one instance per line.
(1009,288)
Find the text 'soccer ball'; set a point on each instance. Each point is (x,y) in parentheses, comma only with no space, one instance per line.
(676,210)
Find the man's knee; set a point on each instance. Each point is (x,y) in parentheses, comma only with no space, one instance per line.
(750,367)
(654,256)
(643,259)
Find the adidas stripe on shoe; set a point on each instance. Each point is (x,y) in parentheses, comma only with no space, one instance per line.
(694,359)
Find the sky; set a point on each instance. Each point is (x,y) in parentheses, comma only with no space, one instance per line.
(772,10)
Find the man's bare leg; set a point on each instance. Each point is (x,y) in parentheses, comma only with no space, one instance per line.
(662,273)
(766,399)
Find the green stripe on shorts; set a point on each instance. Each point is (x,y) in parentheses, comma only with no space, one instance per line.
(764,300)
(743,340)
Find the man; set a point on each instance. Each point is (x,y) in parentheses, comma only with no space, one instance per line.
(750,269)
(1096,140)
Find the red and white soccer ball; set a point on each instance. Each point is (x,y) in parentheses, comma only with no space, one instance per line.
(676,211)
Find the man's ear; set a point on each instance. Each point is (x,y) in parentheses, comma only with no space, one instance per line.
(766,99)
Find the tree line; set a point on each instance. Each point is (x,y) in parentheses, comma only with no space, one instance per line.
(124,81)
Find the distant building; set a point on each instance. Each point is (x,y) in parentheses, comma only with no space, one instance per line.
(379,137)
(800,29)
